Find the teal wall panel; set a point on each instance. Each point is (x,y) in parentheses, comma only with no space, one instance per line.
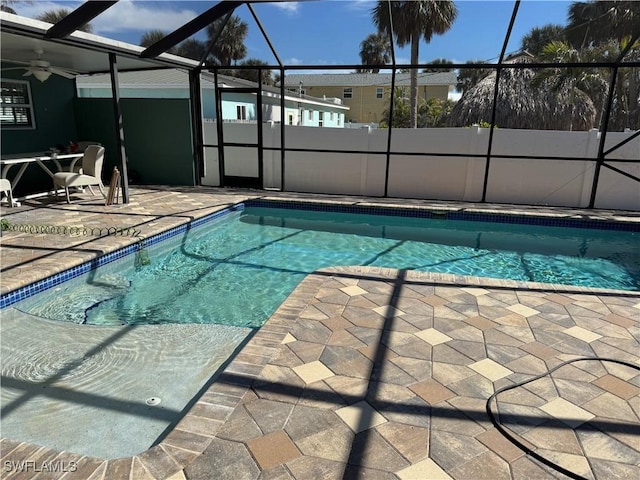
(157,135)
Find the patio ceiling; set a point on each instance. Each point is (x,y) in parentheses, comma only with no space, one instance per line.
(79,51)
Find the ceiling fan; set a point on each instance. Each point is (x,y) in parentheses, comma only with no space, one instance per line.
(41,69)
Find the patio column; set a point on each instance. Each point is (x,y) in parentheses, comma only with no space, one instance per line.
(117,115)
(196,125)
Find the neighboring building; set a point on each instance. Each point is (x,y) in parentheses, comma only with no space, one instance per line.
(301,110)
(367,94)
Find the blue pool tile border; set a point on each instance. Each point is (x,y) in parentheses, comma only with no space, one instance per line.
(447,214)
(41,285)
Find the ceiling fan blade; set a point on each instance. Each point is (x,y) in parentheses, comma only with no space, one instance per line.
(61,72)
(13,68)
(17,62)
(27,73)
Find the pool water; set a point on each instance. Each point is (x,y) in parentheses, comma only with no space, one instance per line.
(238,269)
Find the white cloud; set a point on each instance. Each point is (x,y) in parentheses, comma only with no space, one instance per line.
(360,5)
(129,16)
(32,10)
(293,61)
(288,7)
(124,16)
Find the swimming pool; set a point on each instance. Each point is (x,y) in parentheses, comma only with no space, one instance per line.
(236,269)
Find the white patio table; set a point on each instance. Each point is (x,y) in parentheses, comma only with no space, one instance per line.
(25,159)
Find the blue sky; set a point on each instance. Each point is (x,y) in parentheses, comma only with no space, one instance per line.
(328,32)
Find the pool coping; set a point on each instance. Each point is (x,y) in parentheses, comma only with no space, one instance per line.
(195,431)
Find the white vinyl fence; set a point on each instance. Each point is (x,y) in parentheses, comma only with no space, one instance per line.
(515,179)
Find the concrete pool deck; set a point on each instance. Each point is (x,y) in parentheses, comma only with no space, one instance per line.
(370,372)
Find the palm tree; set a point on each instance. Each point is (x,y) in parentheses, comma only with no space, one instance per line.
(607,27)
(432,112)
(572,80)
(151,37)
(438,61)
(520,105)
(538,37)
(375,50)
(191,48)
(625,109)
(230,43)
(469,77)
(266,77)
(412,21)
(54,16)
(400,111)
(594,22)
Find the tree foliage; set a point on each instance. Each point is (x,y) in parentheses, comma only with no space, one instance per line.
(598,31)
(414,21)
(254,75)
(438,61)
(191,48)
(469,77)
(229,45)
(534,41)
(374,50)
(54,16)
(594,22)
(432,112)
(520,105)
(151,37)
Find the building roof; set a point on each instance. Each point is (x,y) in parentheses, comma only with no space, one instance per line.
(179,79)
(367,79)
(165,78)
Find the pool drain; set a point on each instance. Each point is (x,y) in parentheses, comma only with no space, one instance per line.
(152,401)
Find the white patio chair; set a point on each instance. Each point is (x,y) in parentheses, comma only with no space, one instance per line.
(76,165)
(5,187)
(91,173)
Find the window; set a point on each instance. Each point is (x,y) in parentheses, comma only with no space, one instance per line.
(379,92)
(291,119)
(339,121)
(17,110)
(331,116)
(241,112)
(310,114)
(347,93)
(320,118)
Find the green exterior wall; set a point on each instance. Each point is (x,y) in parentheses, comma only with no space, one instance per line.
(53,105)
(157,134)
